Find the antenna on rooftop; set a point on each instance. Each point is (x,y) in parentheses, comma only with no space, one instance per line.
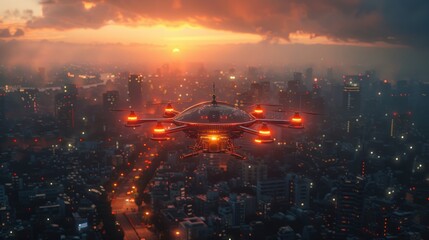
(214,94)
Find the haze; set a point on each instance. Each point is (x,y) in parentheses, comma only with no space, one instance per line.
(390,36)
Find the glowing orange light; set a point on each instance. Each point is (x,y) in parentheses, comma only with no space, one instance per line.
(169,108)
(132,117)
(177,233)
(159,129)
(146,213)
(214,138)
(265,132)
(296,120)
(258,141)
(258,111)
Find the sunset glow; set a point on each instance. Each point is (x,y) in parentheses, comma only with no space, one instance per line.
(252,32)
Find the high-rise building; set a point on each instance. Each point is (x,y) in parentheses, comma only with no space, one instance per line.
(65,104)
(192,229)
(351,102)
(42,73)
(253,171)
(237,206)
(268,189)
(351,94)
(292,98)
(308,75)
(2,107)
(330,74)
(400,124)
(298,190)
(29,100)
(135,90)
(349,206)
(110,100)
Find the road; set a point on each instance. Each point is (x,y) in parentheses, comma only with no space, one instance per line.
(123,205)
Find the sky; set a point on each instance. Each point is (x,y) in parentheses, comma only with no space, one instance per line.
(211,30)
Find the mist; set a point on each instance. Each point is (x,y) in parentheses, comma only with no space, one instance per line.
(389,62)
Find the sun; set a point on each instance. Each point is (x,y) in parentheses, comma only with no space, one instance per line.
(176,50)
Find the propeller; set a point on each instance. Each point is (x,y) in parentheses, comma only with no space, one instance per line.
(164,102)
(304,112)
(262,104)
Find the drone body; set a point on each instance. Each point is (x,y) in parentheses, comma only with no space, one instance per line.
(214,125)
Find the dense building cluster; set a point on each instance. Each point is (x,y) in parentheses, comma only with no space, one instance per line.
(69,169)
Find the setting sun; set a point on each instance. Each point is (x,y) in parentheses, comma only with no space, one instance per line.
(176,50)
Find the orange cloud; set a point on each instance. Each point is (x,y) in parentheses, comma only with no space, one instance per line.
(390,21)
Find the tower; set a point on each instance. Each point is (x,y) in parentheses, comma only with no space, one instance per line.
(351,101)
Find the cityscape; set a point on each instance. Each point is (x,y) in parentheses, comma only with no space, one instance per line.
(94,142)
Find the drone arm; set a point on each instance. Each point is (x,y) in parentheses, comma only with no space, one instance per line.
(273,121)
(145,120)
(295,123)
(176,129)
(137,123)
(249,130)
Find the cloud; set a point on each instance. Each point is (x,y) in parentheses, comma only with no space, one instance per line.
(66,14)
(369,21)
(10,15)
(7,33)
(19,33)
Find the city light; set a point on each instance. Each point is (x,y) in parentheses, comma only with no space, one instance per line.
(105,138)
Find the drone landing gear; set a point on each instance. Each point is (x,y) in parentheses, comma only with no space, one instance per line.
(199,147)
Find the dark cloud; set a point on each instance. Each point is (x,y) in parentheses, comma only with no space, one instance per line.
(19,33)
(6,33)
(66,14)
(46,1)
(391,21)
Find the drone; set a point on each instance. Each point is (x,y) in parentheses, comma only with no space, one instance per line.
(214,125)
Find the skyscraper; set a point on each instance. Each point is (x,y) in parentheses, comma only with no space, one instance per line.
(2,107)
(110,100)
(349,206)
(298,190)
(65,104)
(351,101)
(29,100)
(135,90)
(351,94)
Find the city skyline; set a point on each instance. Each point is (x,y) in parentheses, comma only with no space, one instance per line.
(214,120)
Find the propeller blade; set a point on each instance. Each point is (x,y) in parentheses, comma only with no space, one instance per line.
(262,104)
(304,112)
